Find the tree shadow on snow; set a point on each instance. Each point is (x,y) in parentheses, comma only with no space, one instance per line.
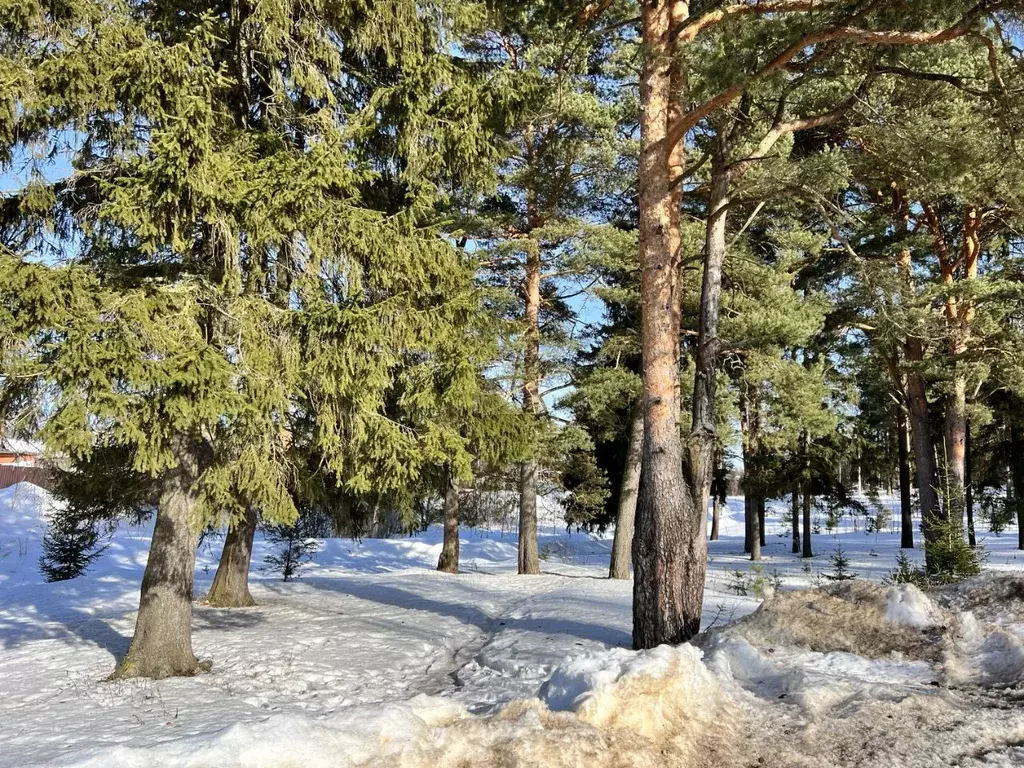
(468,613)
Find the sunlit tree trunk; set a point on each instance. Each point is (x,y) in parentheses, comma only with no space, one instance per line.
(529,559)
(622,545)
(231,584)
(448,562)
(162,644)
(669,548)
(969,490)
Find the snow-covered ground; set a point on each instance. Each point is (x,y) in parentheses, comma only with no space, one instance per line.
(373,658)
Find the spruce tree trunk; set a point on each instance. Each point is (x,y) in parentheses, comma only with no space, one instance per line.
(162,644)
(969,489)
(906,505)
(807,524)
(622,545)
(529,559)
(1017,478)
(231,584)
(448,562)
(669,547)
(796,520)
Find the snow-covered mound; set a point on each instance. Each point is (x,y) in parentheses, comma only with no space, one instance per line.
(862,674)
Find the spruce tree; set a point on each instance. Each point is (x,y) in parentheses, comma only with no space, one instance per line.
(250,241)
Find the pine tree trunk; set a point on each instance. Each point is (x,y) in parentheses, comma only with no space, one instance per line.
(748,515)
(529,558)
(669,548)
(760,520)
(529,555)
(924,454)
(716,512)
(917,407)
(448,562)
(748,523)
(969,489)
(958,320)
(1017,478)
(622,545)
(703,434)
(906,505)
(162,644)
(807,525)
(753,528)
(955,434)
(231,584)
(796,520)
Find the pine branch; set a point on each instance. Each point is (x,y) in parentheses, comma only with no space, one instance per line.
(854,35)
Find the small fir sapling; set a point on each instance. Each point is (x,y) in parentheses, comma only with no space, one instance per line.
(840,566)
(70,545)
(293,547)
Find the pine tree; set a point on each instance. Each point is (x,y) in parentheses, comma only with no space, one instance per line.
(562,136)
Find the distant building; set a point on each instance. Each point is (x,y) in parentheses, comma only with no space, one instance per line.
(19,453)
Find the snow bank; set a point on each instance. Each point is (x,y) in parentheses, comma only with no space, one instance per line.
(611,709)
(355,736)
(666,689)
(856,617)
(908,606)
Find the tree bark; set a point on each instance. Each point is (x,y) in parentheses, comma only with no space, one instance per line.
(162,644)
(753,527)
(622,545)
(917,399)
(669,547)
(956,449)
(807,524)
(1017,478)
(959,316)
(231,584)
(969,489)
(703,436)
(760,520)
(716,513)
(906,505)
(796,520)
(448,562)
(745,447)
(529,559)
